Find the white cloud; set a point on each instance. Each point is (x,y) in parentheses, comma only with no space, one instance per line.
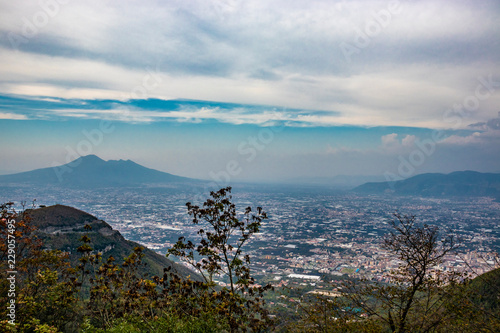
(408,141)
(283,53)
(12,116)
(390,140)
(474,138)
(393,144)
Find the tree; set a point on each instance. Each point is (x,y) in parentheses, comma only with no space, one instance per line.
(416,298)
(45,294)
(219,254)
(475,304)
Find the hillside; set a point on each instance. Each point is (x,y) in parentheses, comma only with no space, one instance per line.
(460,183)
(91,171)
(484,290)
(61,227)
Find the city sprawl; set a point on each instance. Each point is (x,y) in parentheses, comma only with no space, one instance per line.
(312,234)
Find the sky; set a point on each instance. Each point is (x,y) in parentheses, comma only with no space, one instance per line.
(252,90)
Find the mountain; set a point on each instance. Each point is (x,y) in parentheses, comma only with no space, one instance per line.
(484,290)
(61,227)
(91,171)
(340,181)
(460,183)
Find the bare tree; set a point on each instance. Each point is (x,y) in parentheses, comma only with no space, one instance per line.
(416,297)
(417,283)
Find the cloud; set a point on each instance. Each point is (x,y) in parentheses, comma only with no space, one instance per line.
(425,58)
(390,140)
(158,110)
(488,133)
(494,124)
(236,116)
(474,138)
(12,116)
(408,141)
(391,143)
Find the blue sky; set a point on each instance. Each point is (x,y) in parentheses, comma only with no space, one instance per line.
(260,90)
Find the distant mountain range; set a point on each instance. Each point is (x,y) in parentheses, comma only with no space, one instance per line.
(339,181)
(61,227)
(460,183)
(91,171)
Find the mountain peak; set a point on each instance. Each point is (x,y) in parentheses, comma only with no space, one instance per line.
(90,158)
(94,159)
(92,171)
(60,215)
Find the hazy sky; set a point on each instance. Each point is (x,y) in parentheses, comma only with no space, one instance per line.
(253,90)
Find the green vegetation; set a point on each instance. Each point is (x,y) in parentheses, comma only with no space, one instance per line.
(61,227)
(418,298)
(219,253)
(88,291)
